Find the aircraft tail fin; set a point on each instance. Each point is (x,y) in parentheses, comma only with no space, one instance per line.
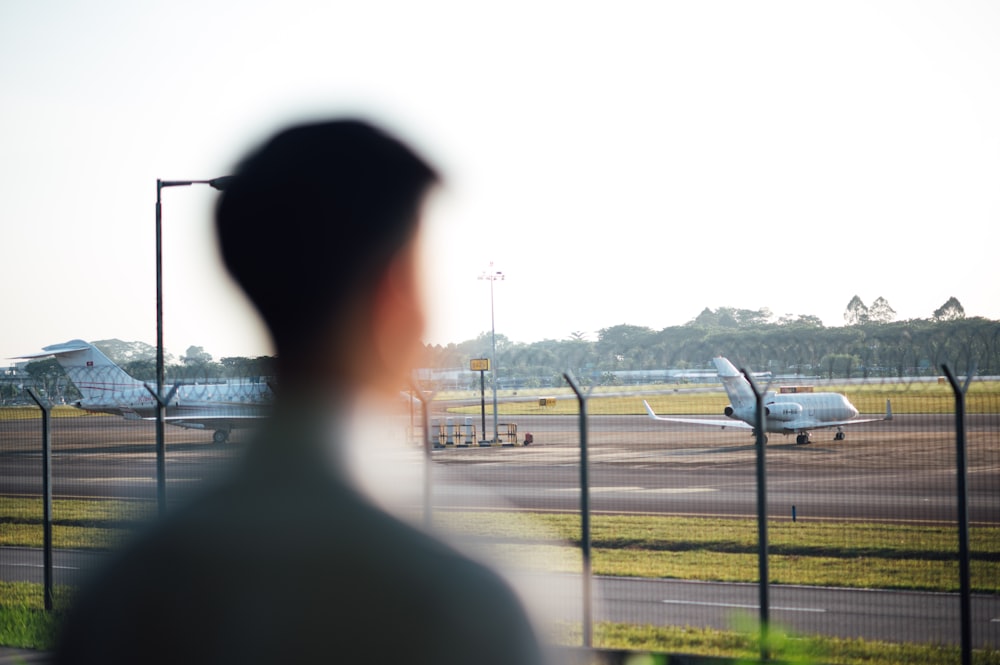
(92,372)
(736,385)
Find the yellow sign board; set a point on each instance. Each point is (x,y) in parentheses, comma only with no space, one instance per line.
(479,364)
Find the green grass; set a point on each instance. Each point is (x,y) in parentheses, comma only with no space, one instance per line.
(820,553)
(76,524)
(24,623)
(927,397)
(33,412)
(846,554)
(743,644)
(841,554)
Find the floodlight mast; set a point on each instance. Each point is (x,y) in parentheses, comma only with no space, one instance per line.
(220,184)
(493,275)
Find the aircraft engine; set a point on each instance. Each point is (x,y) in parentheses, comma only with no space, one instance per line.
(783,410)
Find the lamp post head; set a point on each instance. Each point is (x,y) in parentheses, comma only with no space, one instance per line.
(221,182)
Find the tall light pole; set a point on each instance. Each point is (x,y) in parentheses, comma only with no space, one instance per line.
(161,399)
(493,275)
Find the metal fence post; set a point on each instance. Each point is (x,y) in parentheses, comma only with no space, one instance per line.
(161,445)
(46,496)
(762,562)
(961,464)
(588,609)
(425,400)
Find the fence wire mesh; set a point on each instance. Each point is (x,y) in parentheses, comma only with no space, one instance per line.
(862,529)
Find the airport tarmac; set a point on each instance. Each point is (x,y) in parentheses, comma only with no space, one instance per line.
(901,472)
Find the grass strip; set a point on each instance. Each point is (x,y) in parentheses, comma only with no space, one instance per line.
(78,512)
(706,566)
(63,537)
(743,645)
(844,554)
(24,623)
(907,398)
(737,535)
(76,523)
(35,413)
(850,555)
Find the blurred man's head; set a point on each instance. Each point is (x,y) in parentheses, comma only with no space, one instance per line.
(318,226)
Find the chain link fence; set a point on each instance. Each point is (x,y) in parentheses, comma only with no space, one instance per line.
(623,531)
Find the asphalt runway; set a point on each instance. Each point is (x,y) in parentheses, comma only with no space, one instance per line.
(901,471)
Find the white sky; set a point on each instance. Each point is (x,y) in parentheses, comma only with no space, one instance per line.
(626,162)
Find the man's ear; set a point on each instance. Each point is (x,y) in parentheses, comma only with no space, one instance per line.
(398,320)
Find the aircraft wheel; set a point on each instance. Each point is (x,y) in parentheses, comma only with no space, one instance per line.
(839,436)
(802,439)
(220,436)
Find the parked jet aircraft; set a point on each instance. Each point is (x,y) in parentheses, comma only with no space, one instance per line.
(107,388)
(786,413)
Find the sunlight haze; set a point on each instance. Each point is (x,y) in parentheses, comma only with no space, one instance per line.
(629,163)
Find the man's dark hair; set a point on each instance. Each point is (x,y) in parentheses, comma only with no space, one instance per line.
(313,217)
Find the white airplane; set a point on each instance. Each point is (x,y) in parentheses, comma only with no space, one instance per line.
(785,413)
(107,388)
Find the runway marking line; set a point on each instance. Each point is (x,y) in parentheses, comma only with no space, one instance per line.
(740,606)
(655,490)
(136,480)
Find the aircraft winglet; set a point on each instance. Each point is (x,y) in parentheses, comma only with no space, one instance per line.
(649,409)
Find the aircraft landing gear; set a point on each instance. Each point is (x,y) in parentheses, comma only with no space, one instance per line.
(802,439)
(220,436)
(840,435)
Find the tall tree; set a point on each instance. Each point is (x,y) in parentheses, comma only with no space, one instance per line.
(621,346)
(950,311)
(196,355)
(881,311)
(856,312)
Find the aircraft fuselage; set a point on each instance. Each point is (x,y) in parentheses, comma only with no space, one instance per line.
(797,412)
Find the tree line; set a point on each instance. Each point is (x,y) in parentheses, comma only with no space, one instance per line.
(870,345)
(750,338)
